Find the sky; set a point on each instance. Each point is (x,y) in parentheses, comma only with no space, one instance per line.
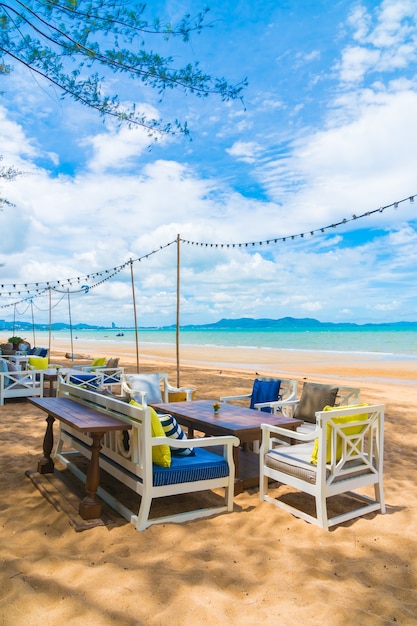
(327,130)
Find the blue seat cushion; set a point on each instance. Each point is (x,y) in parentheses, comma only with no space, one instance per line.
(84,379)
(111,380)
(265,391)
(204,465)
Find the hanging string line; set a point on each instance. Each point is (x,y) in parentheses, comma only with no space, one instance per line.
(62,286)
(322,229)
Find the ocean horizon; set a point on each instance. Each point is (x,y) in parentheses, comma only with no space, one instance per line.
(384,342)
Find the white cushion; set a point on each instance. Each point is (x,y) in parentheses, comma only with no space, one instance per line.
(145,382)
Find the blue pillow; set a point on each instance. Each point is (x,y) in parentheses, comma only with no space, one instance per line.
(265,391)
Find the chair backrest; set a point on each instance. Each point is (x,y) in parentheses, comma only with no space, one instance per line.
(265,390)
(347,395)
(350,443)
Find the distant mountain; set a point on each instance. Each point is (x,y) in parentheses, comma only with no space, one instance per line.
(243,323)
(55,326)
(291,323)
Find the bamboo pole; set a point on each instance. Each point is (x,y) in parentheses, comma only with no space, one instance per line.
(70,321)
(177,332)
(33,324)
(50,322)
(135,316)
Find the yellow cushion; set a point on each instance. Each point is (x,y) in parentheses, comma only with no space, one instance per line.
(99,362)
(39,362)
(343,419)
(161,455)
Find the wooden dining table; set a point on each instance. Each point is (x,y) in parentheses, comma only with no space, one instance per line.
(231,419)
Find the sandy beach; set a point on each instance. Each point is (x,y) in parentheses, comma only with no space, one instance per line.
(257,565)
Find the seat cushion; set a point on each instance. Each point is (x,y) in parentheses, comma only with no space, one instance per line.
(84,380)
(204,465)
(294,461)
(264,391)
(145,382)
(314,398)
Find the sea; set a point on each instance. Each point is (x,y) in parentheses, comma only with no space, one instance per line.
(380,341)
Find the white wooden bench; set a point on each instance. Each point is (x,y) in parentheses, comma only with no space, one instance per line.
(127,455)
(22,384)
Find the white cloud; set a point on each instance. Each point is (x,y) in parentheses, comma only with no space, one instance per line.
(245,151)
(388,46)
(118,147)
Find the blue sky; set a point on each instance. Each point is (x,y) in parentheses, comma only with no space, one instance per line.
(328,130)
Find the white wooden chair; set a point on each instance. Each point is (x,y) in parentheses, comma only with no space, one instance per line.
(152,388)
(343,455)
(94,378)
(21,384)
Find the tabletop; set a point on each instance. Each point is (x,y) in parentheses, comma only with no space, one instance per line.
(81,417)
(230,416)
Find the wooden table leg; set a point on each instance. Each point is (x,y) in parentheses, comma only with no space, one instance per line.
(236,460)
(90,507)
(46,463)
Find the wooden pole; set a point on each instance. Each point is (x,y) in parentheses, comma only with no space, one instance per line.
(50,322)
(70,321)
(177,333)
(33,324)
(135,316)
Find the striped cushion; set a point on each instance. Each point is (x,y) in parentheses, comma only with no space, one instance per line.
(204,465)
(173,429)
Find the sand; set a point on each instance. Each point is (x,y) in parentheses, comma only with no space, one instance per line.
(257,565)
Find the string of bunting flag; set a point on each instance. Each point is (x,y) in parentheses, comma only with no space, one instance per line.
(83,284)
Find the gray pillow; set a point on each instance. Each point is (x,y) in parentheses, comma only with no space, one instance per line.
(314,398)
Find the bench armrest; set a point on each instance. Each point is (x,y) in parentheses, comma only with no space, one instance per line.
(198,442)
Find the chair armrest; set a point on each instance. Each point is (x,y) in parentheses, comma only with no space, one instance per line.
(278,405)
(187,390)
(267,430)
(230,398)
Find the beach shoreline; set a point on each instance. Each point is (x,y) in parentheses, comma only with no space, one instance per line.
(286,363)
